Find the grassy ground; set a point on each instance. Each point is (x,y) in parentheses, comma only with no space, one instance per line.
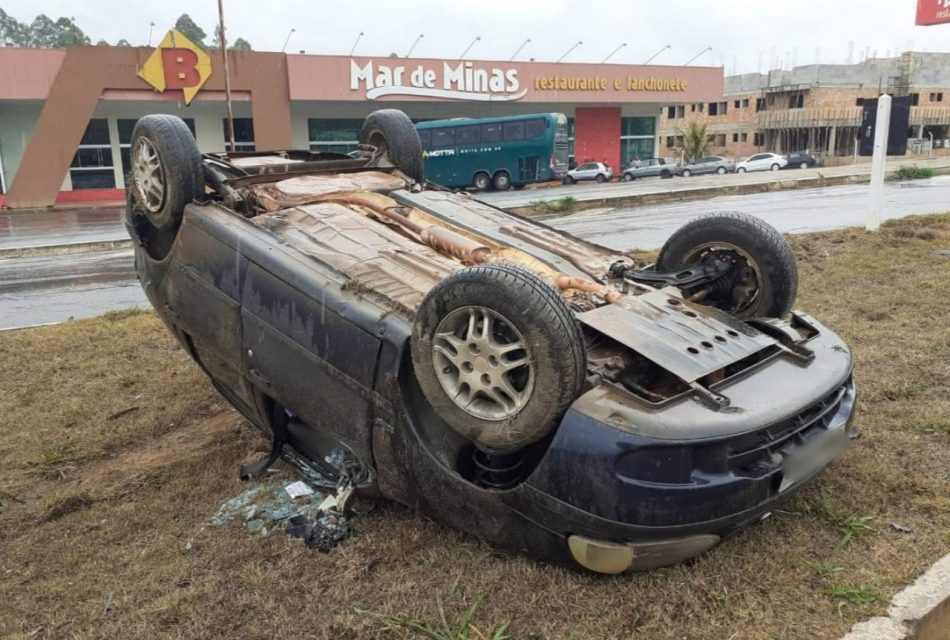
(115,452)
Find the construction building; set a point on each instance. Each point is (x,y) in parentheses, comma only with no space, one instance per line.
(817,108)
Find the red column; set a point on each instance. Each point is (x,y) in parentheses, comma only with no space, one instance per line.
(597,135)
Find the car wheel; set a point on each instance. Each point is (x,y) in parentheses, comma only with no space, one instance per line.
(481,181)
(502,181)
(687,173)
(396,141)
(764,279)
(569,180)
(666,174)
(803,165)
(774,167)
(627,177)
(740,170)
(498,355)
(601,178)
(166,171)
(721,170)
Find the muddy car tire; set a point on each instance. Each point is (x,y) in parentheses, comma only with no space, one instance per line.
(758,245)
(166,170)
(498,355)
(393,134)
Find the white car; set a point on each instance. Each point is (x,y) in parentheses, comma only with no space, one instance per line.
(599,171)
(762,162)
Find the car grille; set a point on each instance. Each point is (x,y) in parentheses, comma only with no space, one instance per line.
(752,454)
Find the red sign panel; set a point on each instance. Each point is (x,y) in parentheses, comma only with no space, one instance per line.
(933,12)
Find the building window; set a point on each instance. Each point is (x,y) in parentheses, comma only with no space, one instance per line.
(735,104)
(334,135)
(745,103)
(760,104)
(914,99)
(936,97)
(758,139)
(859,102)
(677,111)
(796,100)
(719,139)
(126,126)
(699,106)
(718,108)
(743,137)
(92,165)
(735,137)
(243,134)
(637,138)
(670,142)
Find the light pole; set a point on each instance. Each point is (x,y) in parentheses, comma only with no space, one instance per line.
(611,54)
(656,54)
(287,39)
(697,55)
(576,44)
(470,45)
(356,42)
(527,40)
(421,36)
(151,25)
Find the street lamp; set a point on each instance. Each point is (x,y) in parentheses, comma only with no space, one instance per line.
(527,40)
(576,44)
(697,55)
(656,54)
(287,39)
(151,25)
(611,54)
(471,44)
(421,35)
(356,42)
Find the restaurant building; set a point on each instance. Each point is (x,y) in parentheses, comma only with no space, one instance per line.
(66,116)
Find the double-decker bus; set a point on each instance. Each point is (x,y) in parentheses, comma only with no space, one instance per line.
(495,152)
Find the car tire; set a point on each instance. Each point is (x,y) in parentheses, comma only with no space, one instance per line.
(569,180)
(740,170)
(766,252)
(502,181)
(721,170)
(686,173)
(628,177)
(666,174)
(394,136)
(601,178)
(481,181)
(774,167)
(166,171)
(803,165)
(518,308)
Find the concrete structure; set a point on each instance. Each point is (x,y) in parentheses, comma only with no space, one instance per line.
(66,116)
(818,107)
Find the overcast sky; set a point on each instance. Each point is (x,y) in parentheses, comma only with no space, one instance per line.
(745,36)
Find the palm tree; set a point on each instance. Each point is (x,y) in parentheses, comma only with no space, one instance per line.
(693,141)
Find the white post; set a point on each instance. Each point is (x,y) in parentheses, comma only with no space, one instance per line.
(878,161)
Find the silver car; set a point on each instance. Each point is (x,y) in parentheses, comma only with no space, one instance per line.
(707,164)
(648,168)
(762,162)
(599,171)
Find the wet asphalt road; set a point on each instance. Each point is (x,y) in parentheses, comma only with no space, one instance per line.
(54,288)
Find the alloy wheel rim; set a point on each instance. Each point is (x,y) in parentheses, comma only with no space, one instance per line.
(483,363)
(149,175)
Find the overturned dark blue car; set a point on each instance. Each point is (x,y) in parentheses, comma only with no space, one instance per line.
(539,392)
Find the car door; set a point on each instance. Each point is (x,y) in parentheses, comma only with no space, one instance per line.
(586,171)
(705,165)
(759,162)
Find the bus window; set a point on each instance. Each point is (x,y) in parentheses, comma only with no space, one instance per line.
(491,132)
(534,128)
(468,135)
(443,137)
(425,137)
(514,130)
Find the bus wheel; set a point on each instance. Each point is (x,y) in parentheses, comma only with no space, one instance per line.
(482,181)
(502,181)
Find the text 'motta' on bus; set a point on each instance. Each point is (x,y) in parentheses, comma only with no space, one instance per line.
(495,152)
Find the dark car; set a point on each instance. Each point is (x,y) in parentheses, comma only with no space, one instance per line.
(649,168)
(800,160)
(542,393)
(705,165)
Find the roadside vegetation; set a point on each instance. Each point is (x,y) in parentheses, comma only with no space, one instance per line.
(564,204)
(693,141)
(913,173)
(116,453)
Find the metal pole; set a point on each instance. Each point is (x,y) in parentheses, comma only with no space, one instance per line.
(656,54)
(227,74)
(356,42)
(576,44)
(421,35)
(611,54)
(471,44)
(930,151)
(527,40)
(287,39)
(697,55)
(151,25)
(878,161)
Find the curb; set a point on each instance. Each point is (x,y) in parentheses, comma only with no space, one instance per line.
(63,249)
(702,193)
(921,611)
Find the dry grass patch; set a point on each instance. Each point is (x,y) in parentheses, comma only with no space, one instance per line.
(116,452)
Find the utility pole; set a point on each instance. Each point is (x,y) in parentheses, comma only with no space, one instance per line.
(227,74)
(878,161)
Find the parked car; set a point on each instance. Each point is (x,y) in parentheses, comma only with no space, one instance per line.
(543,393)
(762,162)
(599,171)
(707,164)
(649,168)
(800,160)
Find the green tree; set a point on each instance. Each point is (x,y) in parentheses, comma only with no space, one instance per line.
(693,141)
(47,33)
(241,45)
(102,43)
(123,43)
(190,30)
(13,31)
